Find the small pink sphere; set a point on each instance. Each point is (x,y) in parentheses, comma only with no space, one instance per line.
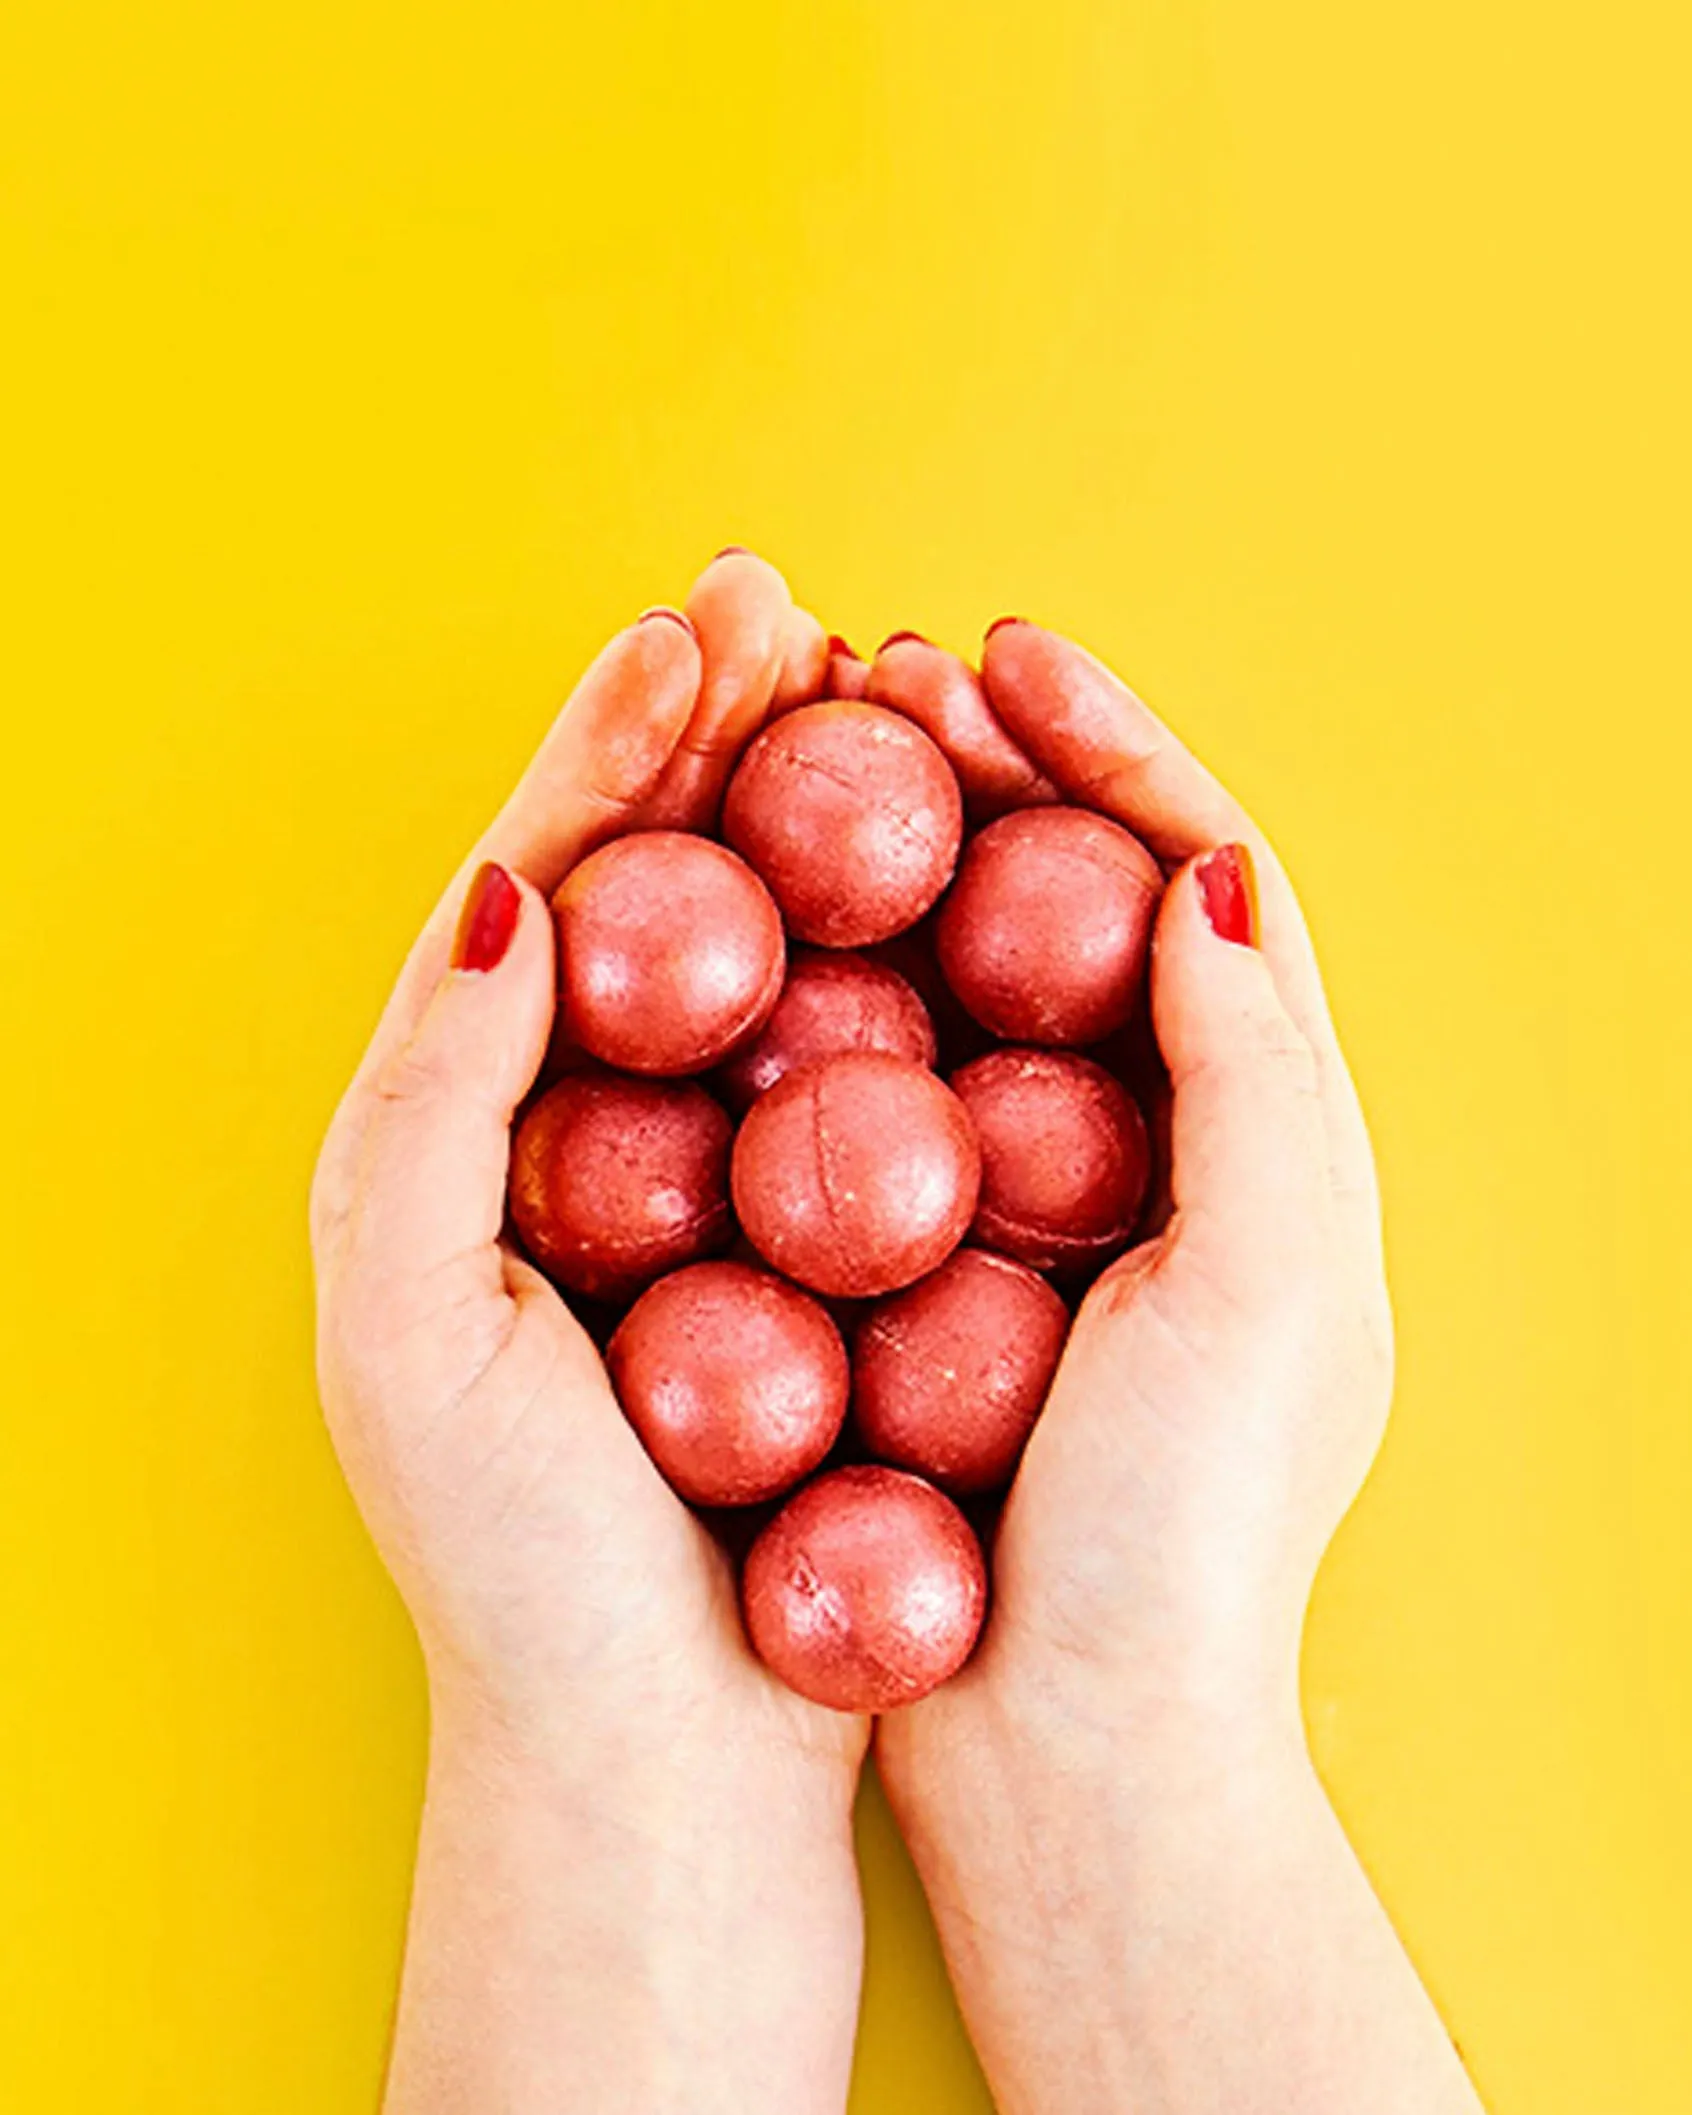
(866,1591)
(852,816)
(949,1376)
(670,952)
(830,1003)
(1064,1157)
(614,1180)
(856,1174)
(1045,932)
(736,1381)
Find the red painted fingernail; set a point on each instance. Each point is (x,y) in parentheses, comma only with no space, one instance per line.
(732,550)
(837,645)
(663,609)
(998,624)
(895,638)
(1227,883)
(488,919)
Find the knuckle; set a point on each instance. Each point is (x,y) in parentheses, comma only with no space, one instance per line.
(1276,1044)
(418,1075)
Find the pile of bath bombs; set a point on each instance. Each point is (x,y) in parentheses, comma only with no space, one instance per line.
(827,1161)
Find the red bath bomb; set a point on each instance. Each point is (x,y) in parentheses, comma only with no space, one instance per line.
(736,1381)
(1045,932)
(851,815)
(670,952)
(1064,1157)
(949,1376)
(866,1591)
(614,1180)
(830,1003)
(856,1174)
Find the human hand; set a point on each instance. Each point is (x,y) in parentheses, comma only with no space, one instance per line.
(1142,1892)
(586,1662)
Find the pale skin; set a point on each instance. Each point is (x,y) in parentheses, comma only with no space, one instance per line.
(635,1886)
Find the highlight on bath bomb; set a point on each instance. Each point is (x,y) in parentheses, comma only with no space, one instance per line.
(830,1003)
(670,952)
(851,815)
(1064,1157)
(735,1380)
(949,1376)
(1045,932)
(614,1180)
(866,1591)
(856,1174)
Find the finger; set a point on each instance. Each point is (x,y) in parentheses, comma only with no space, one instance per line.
(607,750)
(429,1191)
(848,671)
(1102,746)
(1249,1171)
(740,611)
(943,695)
(804,663)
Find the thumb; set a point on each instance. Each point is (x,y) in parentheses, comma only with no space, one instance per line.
(430,1193)
(1249,1154)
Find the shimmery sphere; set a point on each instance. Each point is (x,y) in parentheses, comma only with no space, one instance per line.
(866,1591)
(1045,931)
(1064,1157)
(851,815)
(830,1003)
(735,1380)
(949,1376)
(614,1180)
(670,952)
(856,1174)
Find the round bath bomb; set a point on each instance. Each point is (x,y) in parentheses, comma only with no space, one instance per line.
(614,1180)
(1064,1157)
(670,952)
(866,1591)
(1045,931)
(830,1003)
(851,815)
(856,1174)
(735,1380)
(949,1376)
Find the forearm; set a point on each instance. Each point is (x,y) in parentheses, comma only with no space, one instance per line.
(1176,1926)
(650,1939)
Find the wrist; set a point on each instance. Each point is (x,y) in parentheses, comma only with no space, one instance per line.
(629,1923)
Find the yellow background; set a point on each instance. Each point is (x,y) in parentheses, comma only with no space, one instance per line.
(1321,364)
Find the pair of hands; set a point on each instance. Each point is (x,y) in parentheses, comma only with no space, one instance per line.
(1223,1391)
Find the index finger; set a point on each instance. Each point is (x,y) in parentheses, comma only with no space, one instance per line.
(741,612)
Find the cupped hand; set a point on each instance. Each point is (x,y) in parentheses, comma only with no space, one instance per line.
(1226,1382)
(557,1584)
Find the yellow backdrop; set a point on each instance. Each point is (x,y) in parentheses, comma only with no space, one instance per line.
(1322,365)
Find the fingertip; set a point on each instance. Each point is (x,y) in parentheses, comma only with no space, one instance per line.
(806,651)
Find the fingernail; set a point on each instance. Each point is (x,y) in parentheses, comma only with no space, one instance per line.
(894,638)
(998,624)
(732,550)
(488,919)
(663,609)
(837,645)
(1227,883)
